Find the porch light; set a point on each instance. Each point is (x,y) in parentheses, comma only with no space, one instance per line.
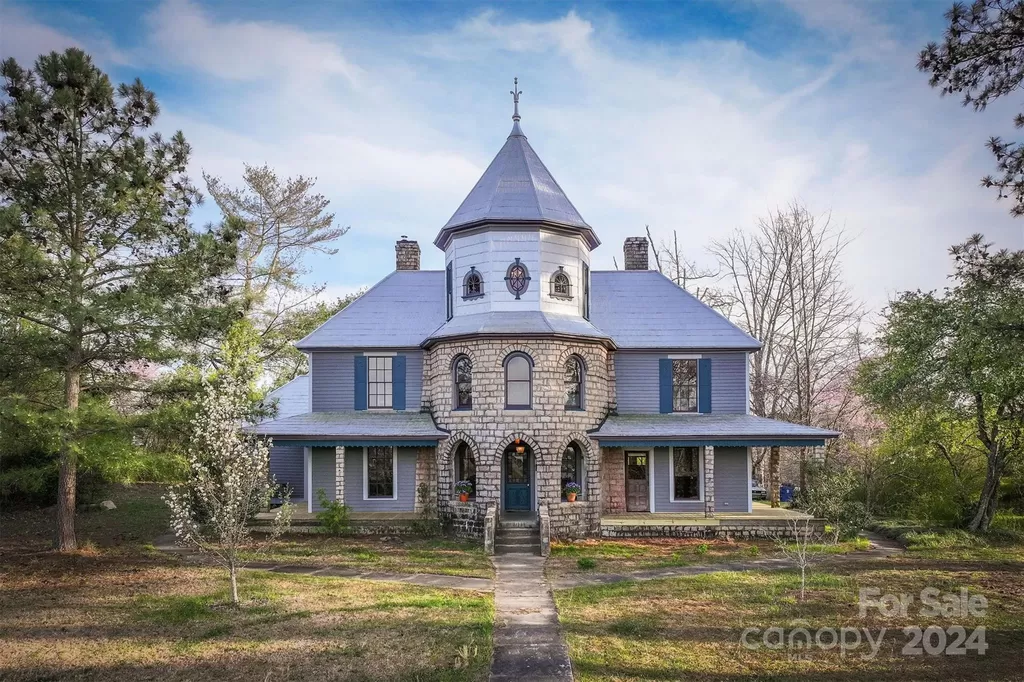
(520,449)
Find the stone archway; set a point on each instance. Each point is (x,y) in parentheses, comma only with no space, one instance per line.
(519,456)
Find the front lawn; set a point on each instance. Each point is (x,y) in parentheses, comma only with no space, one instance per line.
(624,556)
(399,554)
(690,628)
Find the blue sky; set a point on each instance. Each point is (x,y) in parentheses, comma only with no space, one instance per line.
(699,116)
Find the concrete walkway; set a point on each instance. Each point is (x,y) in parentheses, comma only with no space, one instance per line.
(528,641)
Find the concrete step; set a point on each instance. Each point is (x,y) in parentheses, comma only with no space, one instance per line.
(517,533)
(526,548)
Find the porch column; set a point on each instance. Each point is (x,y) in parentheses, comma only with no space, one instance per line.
(339,474)
(307,477)
(709,481)
(774,479)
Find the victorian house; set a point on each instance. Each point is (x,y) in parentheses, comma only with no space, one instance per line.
(520,370)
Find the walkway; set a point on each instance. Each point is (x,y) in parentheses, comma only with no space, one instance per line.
(528,642)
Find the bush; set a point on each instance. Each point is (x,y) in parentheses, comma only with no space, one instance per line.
(831,496)
(702,548)
(585,564)
(334,515)
(429,523)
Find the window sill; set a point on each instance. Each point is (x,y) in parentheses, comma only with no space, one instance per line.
(558,297)
(513,408)
(575,409)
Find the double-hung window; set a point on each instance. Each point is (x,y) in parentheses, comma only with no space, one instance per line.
(685,479)
(380,472)
(379,382)
(684,385)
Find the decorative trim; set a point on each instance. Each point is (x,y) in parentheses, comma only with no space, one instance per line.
(366,477)
(672,476)
(714,442)
(332,443)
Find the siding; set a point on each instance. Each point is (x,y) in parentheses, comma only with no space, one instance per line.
(323,475)
(731,484)
(636,382)
(405,480)
(334,380)
(286,466)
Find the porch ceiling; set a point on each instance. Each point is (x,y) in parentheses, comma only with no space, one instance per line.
(742,430)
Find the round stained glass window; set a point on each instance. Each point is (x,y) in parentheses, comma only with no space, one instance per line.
(517,278)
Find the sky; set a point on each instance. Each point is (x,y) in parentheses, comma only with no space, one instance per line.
(698,117)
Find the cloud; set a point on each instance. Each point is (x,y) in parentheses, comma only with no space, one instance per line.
(24,37)
(187,36)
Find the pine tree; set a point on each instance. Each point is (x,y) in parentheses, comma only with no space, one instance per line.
(97,257)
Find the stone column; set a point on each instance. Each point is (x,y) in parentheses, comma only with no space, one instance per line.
(709,481)
(339,474)
(426,478)
(774,477)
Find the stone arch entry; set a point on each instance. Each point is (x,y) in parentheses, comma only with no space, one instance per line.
(590,464)
(519,456)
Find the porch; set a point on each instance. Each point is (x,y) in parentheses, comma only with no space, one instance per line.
(761,522)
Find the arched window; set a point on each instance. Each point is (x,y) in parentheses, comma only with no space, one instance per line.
(462,377)
(465,466)
(518,381)
(573,380)
(472,284)
(572,468)
(561,287)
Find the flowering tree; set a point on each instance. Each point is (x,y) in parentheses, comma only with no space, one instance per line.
(229,480)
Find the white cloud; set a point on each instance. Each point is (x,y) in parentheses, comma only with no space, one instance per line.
(24,37)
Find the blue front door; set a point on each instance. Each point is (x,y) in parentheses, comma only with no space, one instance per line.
(517,480)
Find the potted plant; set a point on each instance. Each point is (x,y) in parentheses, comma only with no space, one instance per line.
(463,488)
(572,489)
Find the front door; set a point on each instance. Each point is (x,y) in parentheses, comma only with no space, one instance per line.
(517,479)
(637,487)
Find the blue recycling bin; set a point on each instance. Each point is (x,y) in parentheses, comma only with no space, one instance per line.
(785,493)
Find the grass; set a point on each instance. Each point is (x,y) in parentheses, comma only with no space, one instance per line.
(689,628)
(120,610)
(399,554)
(624,556)
(1003,542)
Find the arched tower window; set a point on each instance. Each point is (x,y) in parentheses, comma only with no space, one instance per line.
(465,466)
(573,381)
(462,378)
(472,284)
(561,287)
(518,381)
(572,468)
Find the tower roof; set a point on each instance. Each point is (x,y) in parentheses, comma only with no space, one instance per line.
(517,188)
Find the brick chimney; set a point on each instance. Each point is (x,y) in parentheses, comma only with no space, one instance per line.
(634,253)
(407,254)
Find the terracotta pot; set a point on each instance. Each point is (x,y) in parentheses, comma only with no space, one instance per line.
(463,497)
(571,497)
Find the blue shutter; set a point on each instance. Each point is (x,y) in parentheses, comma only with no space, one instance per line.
(360,382)
(665,385)
(704,385)
(398,382)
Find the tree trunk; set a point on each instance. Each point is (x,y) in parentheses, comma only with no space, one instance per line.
(234,580)
(773,476)
(803,471)
(989,499)
(68,476)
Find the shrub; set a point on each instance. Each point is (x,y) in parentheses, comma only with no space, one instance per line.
(753,550)
(831,496)
(334,515)
(702,548)
(429,523)
(586,563)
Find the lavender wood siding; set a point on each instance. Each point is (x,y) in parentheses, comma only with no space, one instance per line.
(286,466)
(636,382)
(405,480)
(334,381)
(731,484)
(323,475)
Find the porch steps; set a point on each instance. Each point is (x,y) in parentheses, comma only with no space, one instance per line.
(517,536)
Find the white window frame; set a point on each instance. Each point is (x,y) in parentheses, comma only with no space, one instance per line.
(366,474)
(380,356)
(696,384)
(672,475)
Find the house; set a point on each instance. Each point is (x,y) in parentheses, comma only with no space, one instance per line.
(520,370)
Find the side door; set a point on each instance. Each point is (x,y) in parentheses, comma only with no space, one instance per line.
(638,497)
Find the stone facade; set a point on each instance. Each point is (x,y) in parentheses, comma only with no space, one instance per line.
(339,474)
(746,529)
(426,476)
(709,481)
(614,481)
(547,428)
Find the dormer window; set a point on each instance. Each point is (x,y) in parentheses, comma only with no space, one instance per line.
(472,284)
(561,287)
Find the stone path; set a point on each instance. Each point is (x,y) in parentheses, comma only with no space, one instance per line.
(528,641)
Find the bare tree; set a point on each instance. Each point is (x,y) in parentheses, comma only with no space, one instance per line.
(804,545)
(786,290)
(673,263)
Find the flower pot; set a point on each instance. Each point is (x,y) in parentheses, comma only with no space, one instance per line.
(571,497)
(463,497)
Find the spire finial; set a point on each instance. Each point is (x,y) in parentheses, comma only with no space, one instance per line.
(515,92)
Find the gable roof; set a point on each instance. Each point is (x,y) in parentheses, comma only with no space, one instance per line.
(645,309)
(398,312)
(292,398)
(636,309)
(517,187)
